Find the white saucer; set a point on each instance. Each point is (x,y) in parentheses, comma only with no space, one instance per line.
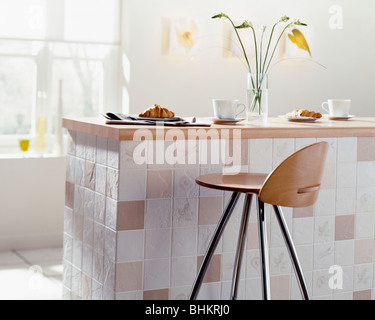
(338,117)
(299,119)
(226,121)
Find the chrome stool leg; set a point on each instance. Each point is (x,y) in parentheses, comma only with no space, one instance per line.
(264,261)
(292,252)
(213,244)
(240,246)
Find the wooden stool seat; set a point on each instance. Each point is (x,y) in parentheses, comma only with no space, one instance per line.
(242,182)
(294,183)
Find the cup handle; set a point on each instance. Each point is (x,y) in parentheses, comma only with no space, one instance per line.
(324,104)
(244,107)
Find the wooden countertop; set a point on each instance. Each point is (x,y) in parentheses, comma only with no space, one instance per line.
(274,128)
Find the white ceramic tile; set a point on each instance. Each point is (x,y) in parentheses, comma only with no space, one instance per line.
(363,276)
(320,285)
(112,183)
(184,185)
(347,280)
(79,199)
(323,255)
(183,271)
(365,199)
(97,267)
(99,230)
(260,155)
(230,237)
(88,231)
(303,142)
(185,212)
(332,149)
(180,293)
(325,205)
(227,262)
(80,144)
(346,200)
(347,149)
(111,213)
(132,184)
(68,220)
(89,203)
(110,245)
(282,148)
(158,243)
(77,254)
(207,192)
(79,171)
(210,291)
(184,241)
(90,148)
(344,252)
(253,289)
(71,142)
(364,225)
(130,245)
(305,256)
(113,153)
(132,295)
(87,256)
(158,213)
(279,261)
(133,154)
(67,247)
(252,263)
(109,271)
(205,234)
(303,231)
(100,178)
(156,274)
(324,229)
(99,211)
(70,164)
(364,179)
(101,150)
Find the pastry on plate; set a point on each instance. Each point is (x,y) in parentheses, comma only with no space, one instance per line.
(156,111)
(304,113)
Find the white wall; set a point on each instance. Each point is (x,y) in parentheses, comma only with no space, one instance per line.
(188,85)
(32,195)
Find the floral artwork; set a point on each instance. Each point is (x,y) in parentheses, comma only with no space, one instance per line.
(183,36)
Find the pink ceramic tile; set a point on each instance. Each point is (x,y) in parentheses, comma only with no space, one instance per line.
(210,210)
(344,227)
(69,195)
(303,212)
(130,215)
(363,251)
(280,287)
(366,149)
(129,276)
(159,294)
(362,295)
(90,175)
(159,183)
(214,269)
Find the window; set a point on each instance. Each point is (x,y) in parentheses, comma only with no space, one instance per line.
(46,45)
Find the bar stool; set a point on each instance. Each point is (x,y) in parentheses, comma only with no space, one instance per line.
(294,183)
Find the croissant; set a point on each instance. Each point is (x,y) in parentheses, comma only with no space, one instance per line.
(305,113)
(156,111)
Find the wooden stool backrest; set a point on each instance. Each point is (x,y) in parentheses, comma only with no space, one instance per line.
(296,181)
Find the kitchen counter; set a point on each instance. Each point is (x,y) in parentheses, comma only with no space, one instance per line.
(136,224)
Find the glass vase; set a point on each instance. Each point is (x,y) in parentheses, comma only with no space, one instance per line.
(257,97)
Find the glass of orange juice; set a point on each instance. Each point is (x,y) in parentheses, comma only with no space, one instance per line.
(24,144)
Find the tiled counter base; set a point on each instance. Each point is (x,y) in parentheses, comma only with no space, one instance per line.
(139,231)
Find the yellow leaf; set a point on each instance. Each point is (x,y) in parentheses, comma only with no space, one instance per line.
(299,39)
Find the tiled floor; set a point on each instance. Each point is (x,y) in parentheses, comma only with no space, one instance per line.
(31,274)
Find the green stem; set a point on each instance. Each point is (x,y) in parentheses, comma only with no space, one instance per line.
(268,46)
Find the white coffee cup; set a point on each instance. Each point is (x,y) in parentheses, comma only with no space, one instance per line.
(337,107)
(227,109)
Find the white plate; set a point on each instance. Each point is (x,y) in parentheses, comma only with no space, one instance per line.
(299,119)
(226,121)
(338,117)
